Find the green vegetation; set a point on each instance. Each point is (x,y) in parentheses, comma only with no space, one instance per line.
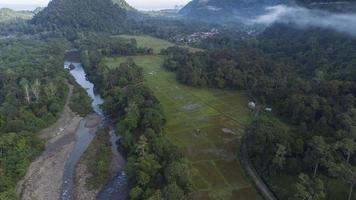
(96,15)
(32,95)
(304,148)
(80,102)
(97,158)
(206,124)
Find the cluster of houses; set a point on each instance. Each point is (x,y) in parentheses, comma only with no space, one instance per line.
(253,105)
(196,37)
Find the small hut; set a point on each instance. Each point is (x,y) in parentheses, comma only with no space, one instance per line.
(252,105)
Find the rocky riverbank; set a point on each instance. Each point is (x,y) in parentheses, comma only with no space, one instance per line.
(43,180)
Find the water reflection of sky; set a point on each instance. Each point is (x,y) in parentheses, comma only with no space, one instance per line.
(80,76)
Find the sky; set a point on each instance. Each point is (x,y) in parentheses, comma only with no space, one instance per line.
(139,4)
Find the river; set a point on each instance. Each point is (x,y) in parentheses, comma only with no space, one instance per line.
(117,186)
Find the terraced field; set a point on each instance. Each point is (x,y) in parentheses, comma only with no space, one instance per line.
(207,124)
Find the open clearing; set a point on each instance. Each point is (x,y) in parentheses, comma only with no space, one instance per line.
(151,42)
(207,124)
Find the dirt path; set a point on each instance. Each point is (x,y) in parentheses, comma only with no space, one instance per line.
(43,180)
(251,171)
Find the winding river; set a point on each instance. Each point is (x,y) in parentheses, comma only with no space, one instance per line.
(117,187)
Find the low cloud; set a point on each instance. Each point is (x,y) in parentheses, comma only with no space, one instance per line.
(303,17)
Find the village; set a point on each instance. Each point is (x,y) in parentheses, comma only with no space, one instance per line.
(195,37)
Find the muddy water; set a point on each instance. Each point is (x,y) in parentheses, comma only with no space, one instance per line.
(117,187)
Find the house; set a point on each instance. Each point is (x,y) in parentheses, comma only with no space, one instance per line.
(252,105)
(268,109)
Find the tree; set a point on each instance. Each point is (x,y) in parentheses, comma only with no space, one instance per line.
(26,87)
(142,145)
(280,156)
(50,89)
(136,193)
(309,188)
(347,146)
(147,168)
(173,192)
(319,153)
(36,89)
(180,173)
(345,172)
(153,119)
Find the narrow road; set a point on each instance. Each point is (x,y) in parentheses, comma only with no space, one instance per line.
(251,171)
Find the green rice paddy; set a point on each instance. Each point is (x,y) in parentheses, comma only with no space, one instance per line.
(207,124)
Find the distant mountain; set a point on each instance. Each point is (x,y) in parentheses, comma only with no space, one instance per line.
(97,15)
(7,14)
(331,5)
(225,9)
(123,4)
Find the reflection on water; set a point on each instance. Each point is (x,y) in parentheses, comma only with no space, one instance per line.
(80,77)
(117,187)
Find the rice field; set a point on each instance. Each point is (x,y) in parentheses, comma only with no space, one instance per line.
(207,124)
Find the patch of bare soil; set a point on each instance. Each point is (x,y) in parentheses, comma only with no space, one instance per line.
(93,121)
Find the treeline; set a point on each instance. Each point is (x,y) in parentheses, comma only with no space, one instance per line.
(156,168)
(308,78)
(32,94)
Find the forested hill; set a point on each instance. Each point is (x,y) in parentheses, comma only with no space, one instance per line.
(225,9)
(97,15)
(123,4)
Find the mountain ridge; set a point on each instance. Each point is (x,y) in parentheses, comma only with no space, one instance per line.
(225,9)
(97,15)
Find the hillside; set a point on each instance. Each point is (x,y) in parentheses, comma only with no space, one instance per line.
(215,10)
(123,4)
(7,14)
(98,15)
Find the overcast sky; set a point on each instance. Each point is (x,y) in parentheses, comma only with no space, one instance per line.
(139,4)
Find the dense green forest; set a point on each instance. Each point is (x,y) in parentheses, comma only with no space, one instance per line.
(308,78)
(32,95)
(98,15)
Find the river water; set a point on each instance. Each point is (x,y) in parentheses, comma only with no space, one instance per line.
(117,187)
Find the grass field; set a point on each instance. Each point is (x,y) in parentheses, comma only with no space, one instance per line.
(151,42)
(207,125)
